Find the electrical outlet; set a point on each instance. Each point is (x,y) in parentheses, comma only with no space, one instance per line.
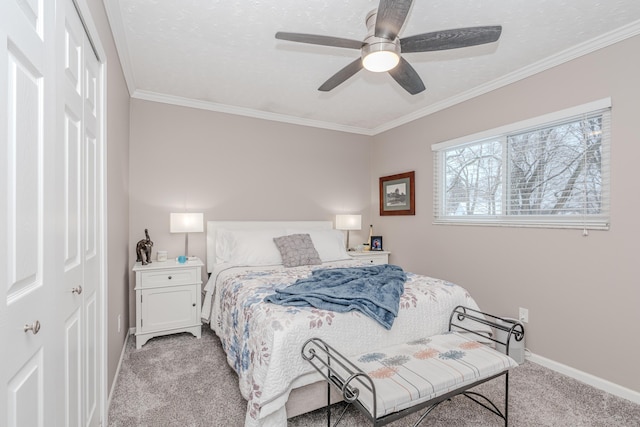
(524,315)
(119,325)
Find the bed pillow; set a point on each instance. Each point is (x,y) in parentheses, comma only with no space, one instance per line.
(224,245)
(329,243)
(248,247)
(297,250)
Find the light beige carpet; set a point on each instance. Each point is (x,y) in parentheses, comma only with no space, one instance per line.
(178,380)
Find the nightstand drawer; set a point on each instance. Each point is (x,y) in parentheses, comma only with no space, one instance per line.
(375,260)
(371,257)
(168,277)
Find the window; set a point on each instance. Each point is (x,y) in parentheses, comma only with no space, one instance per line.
(551,171)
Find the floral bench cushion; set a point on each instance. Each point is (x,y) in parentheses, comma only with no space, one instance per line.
(408,374)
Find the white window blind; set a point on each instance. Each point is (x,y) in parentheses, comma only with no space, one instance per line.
(552,171)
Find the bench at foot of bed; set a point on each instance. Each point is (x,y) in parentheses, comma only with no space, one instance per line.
(395,381)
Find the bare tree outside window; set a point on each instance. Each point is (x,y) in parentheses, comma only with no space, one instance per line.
(556,170)
(474,179)
(553,170)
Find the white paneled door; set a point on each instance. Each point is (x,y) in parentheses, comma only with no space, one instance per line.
(51,204)
(27,135)
(80,151)
(78,114)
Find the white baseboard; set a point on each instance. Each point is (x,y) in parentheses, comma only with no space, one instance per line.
(586,378)
(117,374)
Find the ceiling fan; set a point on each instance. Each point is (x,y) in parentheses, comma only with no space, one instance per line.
(381,49)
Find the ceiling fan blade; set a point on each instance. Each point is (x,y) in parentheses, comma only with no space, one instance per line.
(450,39)
(407,77)
(391,17)
(321,40)
(341,76)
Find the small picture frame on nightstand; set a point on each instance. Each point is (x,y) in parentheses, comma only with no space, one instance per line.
(376,243)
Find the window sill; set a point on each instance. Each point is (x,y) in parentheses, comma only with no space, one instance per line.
(578,224)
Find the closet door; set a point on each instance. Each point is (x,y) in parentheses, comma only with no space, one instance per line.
(51,221)
(28,330)
(92,218)
(81,150)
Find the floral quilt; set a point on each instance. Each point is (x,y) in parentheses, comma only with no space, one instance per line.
(263,340)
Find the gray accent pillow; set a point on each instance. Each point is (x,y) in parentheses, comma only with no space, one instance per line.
(296,250)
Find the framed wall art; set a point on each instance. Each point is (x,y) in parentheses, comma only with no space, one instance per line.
(398,194)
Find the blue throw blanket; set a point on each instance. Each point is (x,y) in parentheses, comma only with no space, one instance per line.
(374,291)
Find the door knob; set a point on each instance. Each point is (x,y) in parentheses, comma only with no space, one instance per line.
(34,328)
(77,290)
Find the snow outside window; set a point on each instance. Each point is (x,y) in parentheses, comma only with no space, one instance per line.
(551,171)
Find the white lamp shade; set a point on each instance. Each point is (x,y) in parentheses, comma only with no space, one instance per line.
(348,222)
(186,223)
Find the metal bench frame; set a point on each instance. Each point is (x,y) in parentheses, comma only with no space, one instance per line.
(325,359)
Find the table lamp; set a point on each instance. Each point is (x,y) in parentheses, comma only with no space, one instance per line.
(186,223)
(348,222)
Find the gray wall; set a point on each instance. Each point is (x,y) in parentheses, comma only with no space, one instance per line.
(582,293)
(237,168)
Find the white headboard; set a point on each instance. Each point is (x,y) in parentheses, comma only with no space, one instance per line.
(212,226)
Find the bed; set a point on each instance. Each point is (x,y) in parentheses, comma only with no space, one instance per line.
(263,340)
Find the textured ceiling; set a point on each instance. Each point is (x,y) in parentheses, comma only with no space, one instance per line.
(222,54)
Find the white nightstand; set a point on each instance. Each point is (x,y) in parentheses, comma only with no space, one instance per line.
(372,257)
(168,298)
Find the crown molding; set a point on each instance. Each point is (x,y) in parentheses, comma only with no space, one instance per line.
(589,46)
(567,55)
(247,112)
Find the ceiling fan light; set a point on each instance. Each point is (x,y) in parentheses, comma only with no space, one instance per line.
(380,61)
(379,55)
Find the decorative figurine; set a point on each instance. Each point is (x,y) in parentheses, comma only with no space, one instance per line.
(143,247)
